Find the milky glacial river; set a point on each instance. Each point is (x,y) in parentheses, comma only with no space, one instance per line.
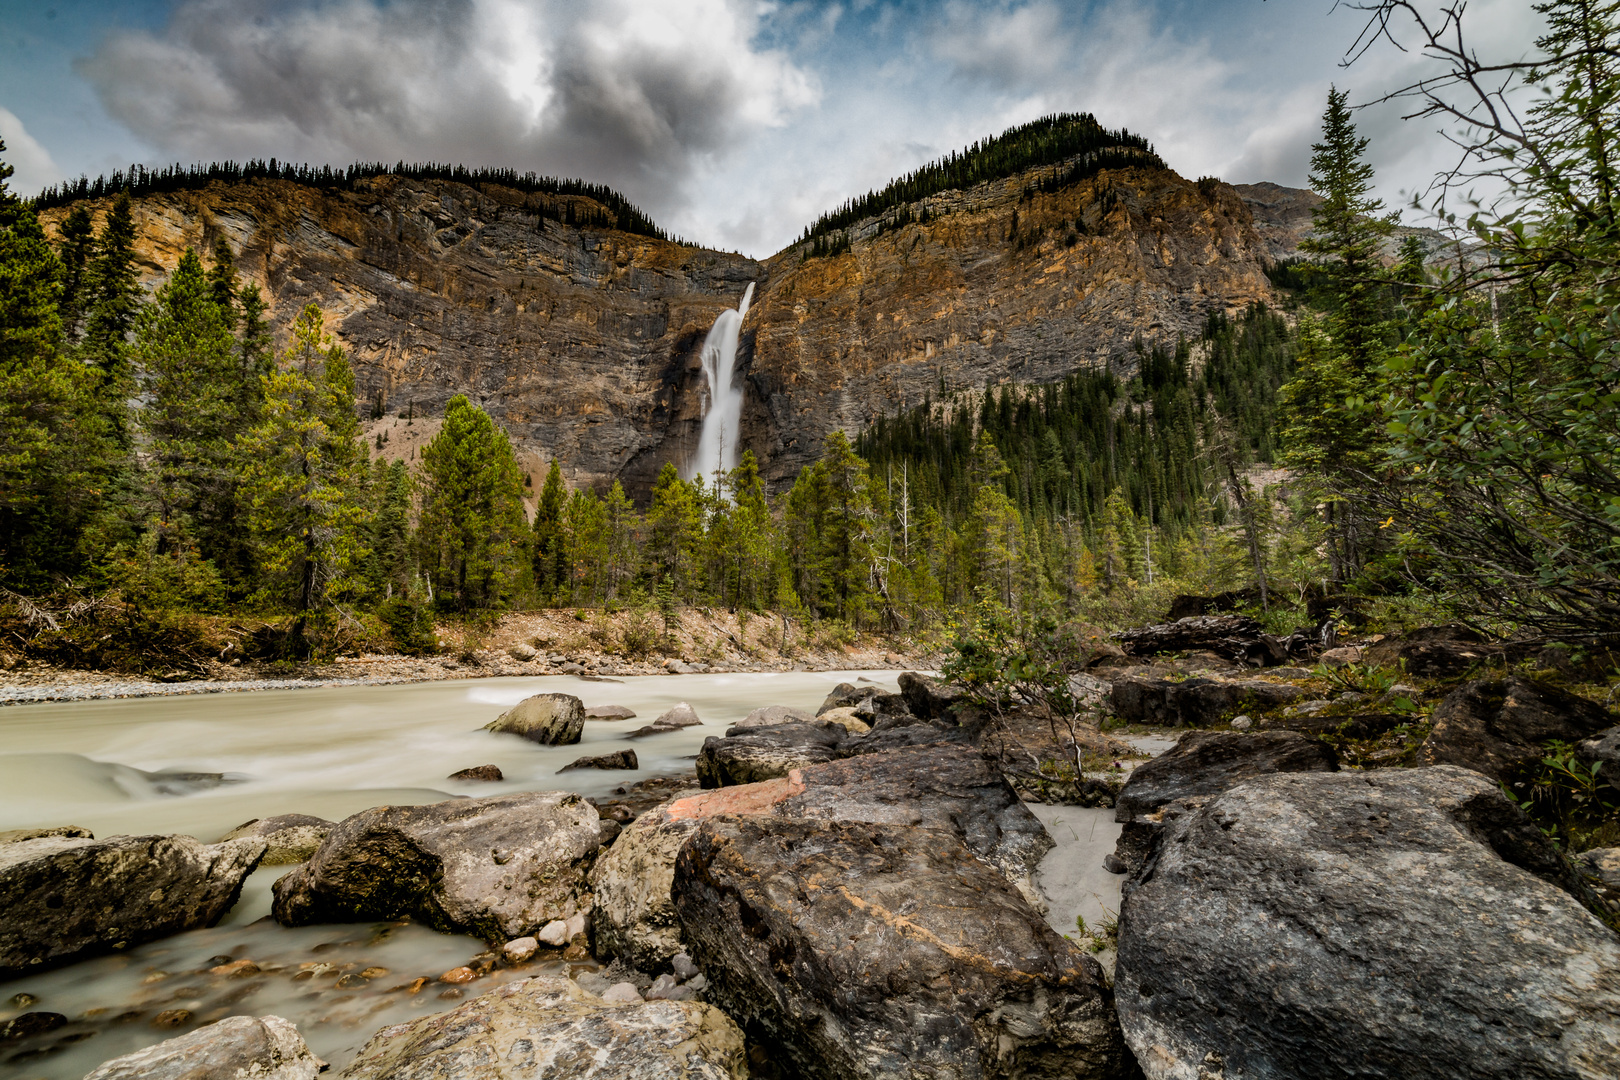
(120,766)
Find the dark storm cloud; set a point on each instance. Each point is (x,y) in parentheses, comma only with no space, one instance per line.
(632,92)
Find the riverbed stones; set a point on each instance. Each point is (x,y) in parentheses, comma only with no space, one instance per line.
(1401,923)
(1197,702)
(497,868)
(749,755)
(548,719)
(64,898)
(681,716)
(1200,765)
(15,836)
(488,774)
(929,698)
(289,838)
(1499,726)
(554,1028)
(847,696)
(848,719)
(236,1048)
(622,759)
(872,950)
(770,715)
(609,712)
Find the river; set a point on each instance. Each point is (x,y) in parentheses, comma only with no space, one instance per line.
(131,766)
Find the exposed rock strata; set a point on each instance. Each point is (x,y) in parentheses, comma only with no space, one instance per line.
(1397,923)
(498,868)
(65,898)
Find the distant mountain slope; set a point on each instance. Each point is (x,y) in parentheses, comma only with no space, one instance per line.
(584,340)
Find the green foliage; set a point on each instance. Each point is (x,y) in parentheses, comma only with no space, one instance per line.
(551,571)
(473,528)
(1050,140)
(1566,797)
(409,619)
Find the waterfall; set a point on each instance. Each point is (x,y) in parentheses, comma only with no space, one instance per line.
(723,398)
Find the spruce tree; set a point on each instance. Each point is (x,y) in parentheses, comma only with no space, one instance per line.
(77,245)
(549,552)
(1347,229)
(674,532)
(305,484)
(473,533)
(113,298)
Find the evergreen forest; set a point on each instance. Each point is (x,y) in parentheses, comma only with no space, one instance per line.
(1396,441)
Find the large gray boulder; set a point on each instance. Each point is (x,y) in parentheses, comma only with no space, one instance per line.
(497,868)
(1396,923)
(290,838)
(550,719)
(1202,764)
(866,950)
(749,755)
(236,1048)
(771,715)
(1500,726)
(64,898)
(928,698)
(1195,702)
(553,1028)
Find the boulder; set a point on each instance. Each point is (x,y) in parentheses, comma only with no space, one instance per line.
(848,719)
(870,950)
(1202,764)
(552,1027)
(928,698)
(750,755)
(522,652)
(14,836)
(634,918)
(290,838)
(1401,923)
(623,759)
(847,696)
(770,715)
(1500,726)
(1434,652)
(65,898)
(497,868)
(609,712)
(549,719)
(1235,637)
(681,716)
(236,1048)
(1601,869)
(485,773)
(1196,702)
(1603,751)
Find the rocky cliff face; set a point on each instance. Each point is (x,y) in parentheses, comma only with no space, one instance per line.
(586,343)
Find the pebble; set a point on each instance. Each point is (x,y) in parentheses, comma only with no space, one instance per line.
(520,949)
(1242,723)
(683,966)
(236,969)
(623,992)
(373,972)
(22,1001)
(661,987)
(555,933)
(459,975)
(350,981)
(171,1018)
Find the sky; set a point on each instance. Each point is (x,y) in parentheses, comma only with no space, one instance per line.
(733,123)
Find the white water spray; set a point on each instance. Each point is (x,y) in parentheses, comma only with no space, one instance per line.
(723,398)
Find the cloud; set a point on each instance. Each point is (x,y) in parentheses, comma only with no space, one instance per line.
(33,163)
(635,93)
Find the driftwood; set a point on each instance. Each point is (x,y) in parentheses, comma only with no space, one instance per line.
(1236,637)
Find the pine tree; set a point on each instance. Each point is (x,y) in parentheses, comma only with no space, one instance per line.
(1347,228)
(305,484)
(77,246)
(674,532)
(473,532)
(550,573)
(113,298)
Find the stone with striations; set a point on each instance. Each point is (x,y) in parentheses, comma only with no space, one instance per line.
(549,719)
(236,1048)
(292,838)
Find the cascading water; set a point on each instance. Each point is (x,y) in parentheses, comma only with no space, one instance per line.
(723,400)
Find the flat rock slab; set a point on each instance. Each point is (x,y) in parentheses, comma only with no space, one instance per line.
(64,898)
(497,868)
(1142,699)
(623,759)
(749,755)
(609,712)
(1500,726)
(291,838)
(868,950)
(548,719)
(1397,923)
(552,1028)
(256,1047)
(770,715)
(1202,764)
